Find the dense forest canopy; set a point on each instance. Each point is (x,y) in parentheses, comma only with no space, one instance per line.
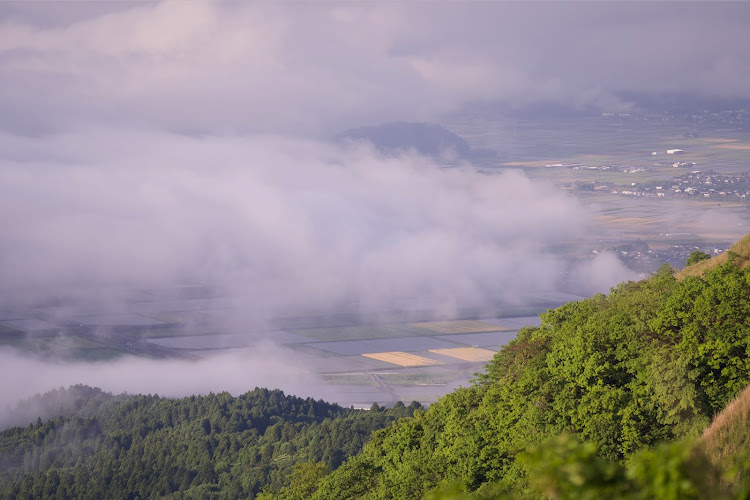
(652,362)
(214,446)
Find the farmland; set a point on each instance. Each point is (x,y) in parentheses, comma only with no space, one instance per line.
(388,361)
(614,164)
(404,354)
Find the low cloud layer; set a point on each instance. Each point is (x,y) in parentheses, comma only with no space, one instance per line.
(600,274)
(283,223)
(237,372)
(279,226)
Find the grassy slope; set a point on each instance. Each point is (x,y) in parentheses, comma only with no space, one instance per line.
(728,433)
(741,249)
(726,442)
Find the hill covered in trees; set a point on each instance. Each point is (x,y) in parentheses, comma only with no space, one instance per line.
(215,446)
(609,392)
(611,396)
(400,137)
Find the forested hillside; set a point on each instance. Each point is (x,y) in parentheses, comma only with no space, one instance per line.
(612,396)
(652,362)
(215,446)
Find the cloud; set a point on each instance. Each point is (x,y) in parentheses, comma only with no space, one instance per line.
(601,273)
(290,223)
(236,372)
(315,69)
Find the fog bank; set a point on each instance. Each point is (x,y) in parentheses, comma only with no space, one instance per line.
(281,223)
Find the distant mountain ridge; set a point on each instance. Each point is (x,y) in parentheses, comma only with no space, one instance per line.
(401,137)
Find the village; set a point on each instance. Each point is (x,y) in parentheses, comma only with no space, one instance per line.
(696,183)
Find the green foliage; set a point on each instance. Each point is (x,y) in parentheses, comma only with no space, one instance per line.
(303,482)
(648,363)
(696,256)
(214,446)
(562,467)
(604,399)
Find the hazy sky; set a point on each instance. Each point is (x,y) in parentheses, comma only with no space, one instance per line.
(313,68)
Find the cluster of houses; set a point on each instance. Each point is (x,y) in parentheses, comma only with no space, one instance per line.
(696,183)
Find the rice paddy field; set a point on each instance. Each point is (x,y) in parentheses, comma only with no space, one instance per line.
(473,354)
(363,363)
(466,326)
(404,359)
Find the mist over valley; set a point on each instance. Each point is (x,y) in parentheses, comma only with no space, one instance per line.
(470,214)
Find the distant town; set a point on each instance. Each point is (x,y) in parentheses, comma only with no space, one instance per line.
(639,257)
(696,183)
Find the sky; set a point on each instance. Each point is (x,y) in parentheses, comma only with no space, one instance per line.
(315,68)
(154,143)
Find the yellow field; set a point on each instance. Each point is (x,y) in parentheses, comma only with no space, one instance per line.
(402,358)
(467,353)
(468,326)
(629,220)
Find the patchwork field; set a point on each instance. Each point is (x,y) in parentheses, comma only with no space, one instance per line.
(473,354)
(514,323)
(466,326)
(612,219)
(481,339)
(402,359)
(410,344)
(359,332)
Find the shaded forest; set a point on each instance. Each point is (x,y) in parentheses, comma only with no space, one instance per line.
(214,446)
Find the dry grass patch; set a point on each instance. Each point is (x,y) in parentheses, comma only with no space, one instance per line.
(728,434)
(474,354)
(402,359)
(467,326)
